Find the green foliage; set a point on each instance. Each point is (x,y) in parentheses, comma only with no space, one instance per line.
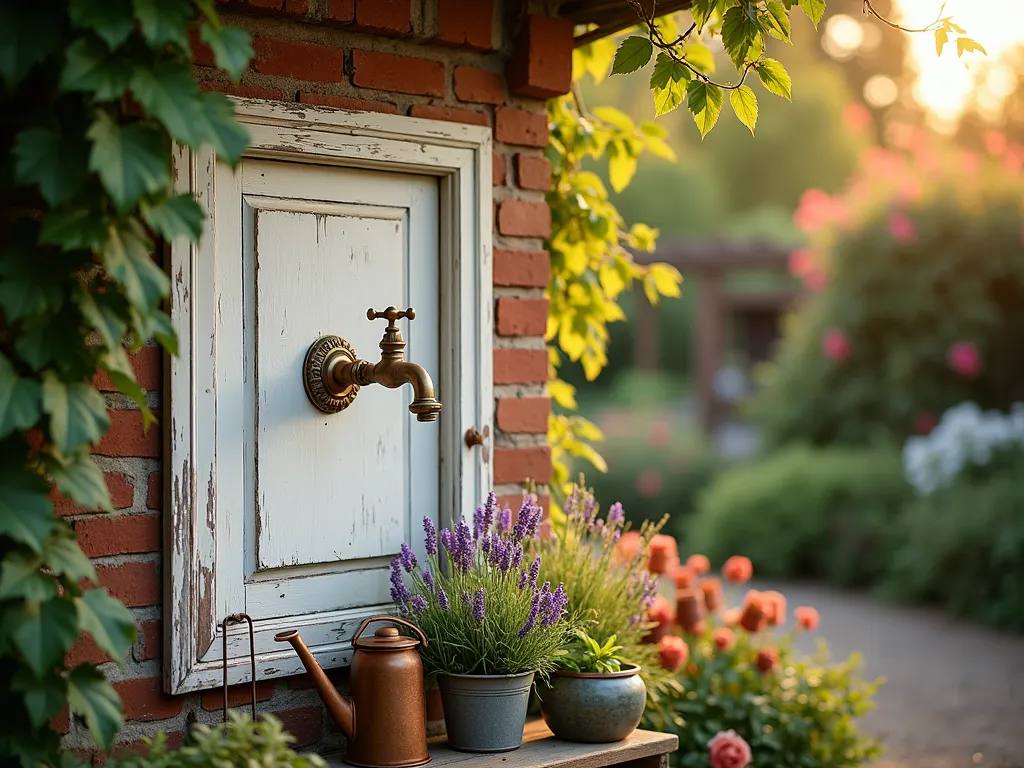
(800,715)
(806,512)
(586,655)
(85,196)
(238,742)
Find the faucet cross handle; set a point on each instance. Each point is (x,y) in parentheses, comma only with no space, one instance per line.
(391,314)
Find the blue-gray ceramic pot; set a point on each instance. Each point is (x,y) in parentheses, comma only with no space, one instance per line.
(485,713)
(593,707)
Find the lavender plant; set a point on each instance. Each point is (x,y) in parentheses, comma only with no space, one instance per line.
(478,599)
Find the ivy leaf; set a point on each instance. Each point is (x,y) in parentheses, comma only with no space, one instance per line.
(739,32)
(64,557)
(44,340)
(775,78)
(81,480)
(54,161)
(173,217)
(232,47)
(667,71)
(131,160)
(777,18)
(167,92)
(634,52)
(89,66)
(111,625)
(20,577)
(122,376)
(126,257)
(667,99)
(44,696)
(27,285)
(164,21)
(105,313)
(78,413)
(44,632)
(91,696)
(25,511)
(744,104)
(29,32)
(111,20)
(967,45)
(74,227)
(702,10)
(20,400)
(157,325)
(704,101)
(215,124)
(814,9)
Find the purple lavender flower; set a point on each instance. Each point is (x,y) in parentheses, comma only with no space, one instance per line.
(466,599)
(505,520)
(532,618)
(505,561)
(616,515)
(399,592)
(634,619)
(442,599)
(408,558)
(555,606)
(419,604)
(485,543)
(428,579)
(517,554)
(447,542)
(463,555)
(478,605)
(429,536)
(489,508)
(589,508)
(529,519)
(523,578)
(535,570)
(478,523)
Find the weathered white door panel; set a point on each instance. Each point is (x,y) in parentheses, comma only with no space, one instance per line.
(278,510)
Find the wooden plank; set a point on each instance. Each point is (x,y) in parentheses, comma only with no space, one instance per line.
(642,749)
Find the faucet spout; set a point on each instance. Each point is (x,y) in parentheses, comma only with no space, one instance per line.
(393,373)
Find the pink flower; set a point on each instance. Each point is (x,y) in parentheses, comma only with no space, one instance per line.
(807,617)
(729,750)
(648,484)
(673,652)
(857,117)
(723,638)
(817,209)
(925,422)
(802,261)
(815,280)
(767,659)
(964,359)
(835,345)
(995,143)
(699,563)
(901,227)
(738,569)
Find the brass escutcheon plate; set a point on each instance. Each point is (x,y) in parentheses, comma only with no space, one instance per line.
(319,352)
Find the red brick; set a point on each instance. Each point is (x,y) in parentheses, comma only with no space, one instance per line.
(289,7)
(515,502)
(126,438)
(517,126)
(238,695)
(522,317)
(541,63)
(523,414)
(246,91)
(134,584)
(526,269)
(344,102)
(202,54)
(533,172)
(479,85)
(144,699)
(517,465)
(498,169)
(524,218)
(147,362)
(450,114)
(468,23)
(155,491)
(341,11)
(404,74)
(305,724)
(151,640)
(121,496)
(85,651)
(61,722)
(175,740)
(387,17)
(304,61)
(520,366)
(118,534)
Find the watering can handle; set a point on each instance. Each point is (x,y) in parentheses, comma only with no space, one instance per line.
(396,619)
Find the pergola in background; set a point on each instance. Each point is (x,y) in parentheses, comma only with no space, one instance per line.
(757,312)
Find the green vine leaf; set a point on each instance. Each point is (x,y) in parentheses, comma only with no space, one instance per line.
(78,478)
(20,400)
(164,21)
(64,557)
(89,66)
(111,625)
(91,696)
(777,18)
(173,217)
(29,33)
(167,92)
(111,20)
(218,127)
(20,577)
(78,413)
(814,9)
(634,52)
(668,99)
(131,160)
(27,285)
(739,33)
(44,696)
(54,161)
(44,632)
(744,104)
(668,71)
(104,312)
(232,48)
(704,100)
(25,511)
(126,257)
(119,368)
(156,325)
(775,78)
(74,227)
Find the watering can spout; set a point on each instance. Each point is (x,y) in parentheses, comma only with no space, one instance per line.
(340,707)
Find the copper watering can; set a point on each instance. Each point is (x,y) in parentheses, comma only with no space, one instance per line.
(385,718)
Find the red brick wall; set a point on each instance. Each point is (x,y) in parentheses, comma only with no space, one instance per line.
(485,62)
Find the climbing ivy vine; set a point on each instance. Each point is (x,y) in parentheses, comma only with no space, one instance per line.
(93,93)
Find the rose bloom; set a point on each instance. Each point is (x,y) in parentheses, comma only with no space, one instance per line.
(767,659)
(732,616)
(755,613)
(901,227)
(723,638)
(964,359)
(713,596)
(775,610)
(738,569)
(684,577)
(699,563)
(664,554)
(925,422)
(690,611)
(673,653)
(728,750)
(807,617)
(836,346)
(661,612)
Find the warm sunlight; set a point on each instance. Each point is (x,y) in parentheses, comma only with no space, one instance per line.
(945,83)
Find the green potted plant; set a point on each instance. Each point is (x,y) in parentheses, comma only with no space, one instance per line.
(594,695)
(491,626)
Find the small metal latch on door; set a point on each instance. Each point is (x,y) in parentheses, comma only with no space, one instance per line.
(473,438)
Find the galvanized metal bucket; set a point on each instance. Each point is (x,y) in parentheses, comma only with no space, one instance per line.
(485,713)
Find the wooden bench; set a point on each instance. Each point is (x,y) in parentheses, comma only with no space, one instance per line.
(642,749)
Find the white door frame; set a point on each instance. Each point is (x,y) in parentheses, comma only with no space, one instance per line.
(460,157)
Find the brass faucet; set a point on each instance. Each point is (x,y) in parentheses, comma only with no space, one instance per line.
(332,374)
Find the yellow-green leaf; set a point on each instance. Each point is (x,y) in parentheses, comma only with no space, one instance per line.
(744,104)
(704,101)
(775,78)
(941,38)
(633,53)
(967,45)
(563,394)
(667,99)
(621,166)
(814,9)
(666,279)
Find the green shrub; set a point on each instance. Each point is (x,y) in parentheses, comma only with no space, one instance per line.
(806,512)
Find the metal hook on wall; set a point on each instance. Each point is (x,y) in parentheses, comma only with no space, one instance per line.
(238,618)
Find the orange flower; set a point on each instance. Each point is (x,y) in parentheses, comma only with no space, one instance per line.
(690,611)
(807,617)
(732,616)
(699,563)
(684,577)
(627,547)
(738,569)
(661,611)
(724,638)
(673,653)
(713,597)
(767,659)
(775,607)
(664,554)
(755,612)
